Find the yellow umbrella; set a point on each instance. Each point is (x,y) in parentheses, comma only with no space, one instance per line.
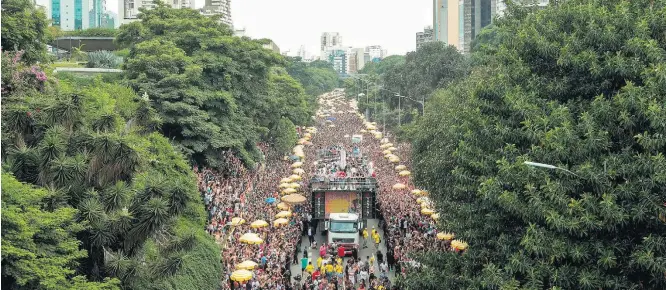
(331,125)
(416,191)
(389,156)
(363,131)
(386,152)
(459,245)
(394,159)
(302,141)
(404,173)
(424,193)
(285,180)
(283,206)
(259,224)
(280,221)
(400,167)
(384,146)
(288,191)
(421,200)
(383,141)
(237,221)
(445,236)
(246,265)
(298,148)
(251,238)
(293,199)
(295,177)
(292,185)
(378,135)
(427,211)
(285,185)
(297,164)
(399,186)
(388,145)
(435,216)
(241,275)
(300,154)
(392,148)
(283,214)
(298,171)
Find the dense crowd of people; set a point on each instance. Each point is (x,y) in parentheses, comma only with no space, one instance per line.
(251,195)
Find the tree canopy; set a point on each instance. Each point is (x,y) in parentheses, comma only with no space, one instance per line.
(39,246)
(213,91)
(580,85)
(414,76)
(132,199)
(317,77)
(25,28)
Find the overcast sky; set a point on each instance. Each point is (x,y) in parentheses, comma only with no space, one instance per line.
(291,23)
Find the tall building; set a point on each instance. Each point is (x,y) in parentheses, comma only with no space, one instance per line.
(128,10)
(425,36)
(447,20)
(375,52)
(359,55)
(69,14)
(330,40)
(339,59)
(219,7)
(97,13)
(110,20)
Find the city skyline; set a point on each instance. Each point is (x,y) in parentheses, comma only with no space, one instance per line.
(291,23)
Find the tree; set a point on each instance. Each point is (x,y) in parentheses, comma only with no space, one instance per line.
(24,27)
(579,85)
(39,246)
(212,90)
(134,194)
(317,77)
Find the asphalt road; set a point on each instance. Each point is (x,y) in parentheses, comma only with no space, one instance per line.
(313,254)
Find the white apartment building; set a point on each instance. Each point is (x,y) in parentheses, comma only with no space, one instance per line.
(128,10)
(69,15)
(376,52)
(330,40)
(219,7)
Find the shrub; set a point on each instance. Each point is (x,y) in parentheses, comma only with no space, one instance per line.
(103,59)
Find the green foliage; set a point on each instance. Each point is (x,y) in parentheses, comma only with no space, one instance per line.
(386,64)
(39,246)
(103,59)
(92,145)
(213,91)
(317,77)
(580,85)
(414,76)
(284,135)
(24,27)
(93,32)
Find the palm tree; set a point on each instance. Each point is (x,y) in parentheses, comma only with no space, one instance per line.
(116,196)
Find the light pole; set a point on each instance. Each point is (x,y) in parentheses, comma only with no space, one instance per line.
(548,166)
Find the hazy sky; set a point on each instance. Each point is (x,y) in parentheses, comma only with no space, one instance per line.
(291,23)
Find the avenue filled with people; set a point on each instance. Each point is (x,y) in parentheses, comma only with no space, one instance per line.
(261,236)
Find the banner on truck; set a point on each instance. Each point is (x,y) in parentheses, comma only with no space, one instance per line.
(341,202)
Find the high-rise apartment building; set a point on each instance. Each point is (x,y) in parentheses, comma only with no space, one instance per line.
(69,14)
(447,19)
(128,10)
(359,55)
(330,40)
(221,8)
(458,22)
(97,13)
(376,52)
(424,36)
